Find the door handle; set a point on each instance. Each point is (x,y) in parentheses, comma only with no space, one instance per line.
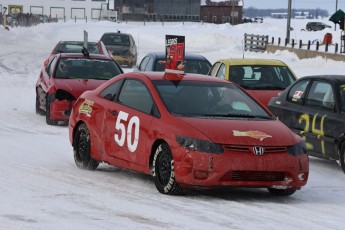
(113,112)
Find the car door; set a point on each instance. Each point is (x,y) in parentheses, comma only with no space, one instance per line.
(44,80)
(320,119)
(127,121)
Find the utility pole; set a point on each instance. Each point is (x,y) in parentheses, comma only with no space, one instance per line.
(288,22)
(336,9)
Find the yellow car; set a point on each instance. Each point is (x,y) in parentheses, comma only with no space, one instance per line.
(261,78)
(122,47)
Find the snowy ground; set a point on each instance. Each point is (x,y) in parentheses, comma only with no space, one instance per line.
(41,188)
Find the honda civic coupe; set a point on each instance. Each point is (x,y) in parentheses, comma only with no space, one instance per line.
(262,78)
(186,131)
(314,107)
(67,76)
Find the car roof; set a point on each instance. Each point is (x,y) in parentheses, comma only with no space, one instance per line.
(188,56)
(80,55)
(173,76)
(340,78)
(107,33)
(252,61)
(77,42)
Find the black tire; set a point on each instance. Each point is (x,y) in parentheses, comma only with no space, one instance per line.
(38,109)
(48,120)
(342,157)
(163,171)
(282,192)
(82,149)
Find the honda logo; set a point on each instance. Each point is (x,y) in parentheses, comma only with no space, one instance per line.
(259,151)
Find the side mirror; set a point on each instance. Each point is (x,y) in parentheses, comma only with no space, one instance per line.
(46,62)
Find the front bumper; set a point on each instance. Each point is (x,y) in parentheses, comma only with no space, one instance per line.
(60,110)
(125,61)
(279,170)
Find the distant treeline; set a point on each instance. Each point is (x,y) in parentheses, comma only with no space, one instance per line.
(310,13)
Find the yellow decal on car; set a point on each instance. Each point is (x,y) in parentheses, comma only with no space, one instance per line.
(85,107)
(253,134)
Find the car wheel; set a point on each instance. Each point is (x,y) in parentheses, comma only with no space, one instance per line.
(282,192)
(309,29)
(82,149)
(342,157)
(38,109)
(163,171)
(48,120)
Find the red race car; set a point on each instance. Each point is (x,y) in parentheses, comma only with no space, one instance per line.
(67,76)
(186,131)
(77,47)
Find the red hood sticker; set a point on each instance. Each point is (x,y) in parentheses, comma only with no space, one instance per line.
(253,134)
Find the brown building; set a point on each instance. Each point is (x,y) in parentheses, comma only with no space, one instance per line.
(222,12)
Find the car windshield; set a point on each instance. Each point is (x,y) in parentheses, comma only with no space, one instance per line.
(191,66)
(115,40)
(82,68)
(76,47)
(208,99)
(262,77)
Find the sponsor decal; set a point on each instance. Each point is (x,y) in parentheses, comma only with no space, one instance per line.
(253,134)
(86,107)
(175,52)
(297,95)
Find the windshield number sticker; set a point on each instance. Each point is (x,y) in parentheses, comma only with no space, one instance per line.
(132,137)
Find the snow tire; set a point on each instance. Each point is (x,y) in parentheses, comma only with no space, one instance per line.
(82,149)
(163,171)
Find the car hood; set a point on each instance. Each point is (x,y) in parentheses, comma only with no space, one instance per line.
(264,96)
(243,132)
(77,86)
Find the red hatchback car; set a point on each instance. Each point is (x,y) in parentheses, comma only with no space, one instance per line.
(67,76)
(186,131)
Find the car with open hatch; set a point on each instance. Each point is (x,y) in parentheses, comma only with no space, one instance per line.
(65,77)
(193,63)
(186,131)
(122,48)
(314,107)
(262,78)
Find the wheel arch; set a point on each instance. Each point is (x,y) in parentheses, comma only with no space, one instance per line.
(153,149)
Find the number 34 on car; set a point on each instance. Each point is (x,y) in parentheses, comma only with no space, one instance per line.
(186,131)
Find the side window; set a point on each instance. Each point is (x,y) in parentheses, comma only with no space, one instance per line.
(297,92)
(214,69)
(221,72)
(134,94)
(111,91)
(143,63)
(320,96)
(51,67)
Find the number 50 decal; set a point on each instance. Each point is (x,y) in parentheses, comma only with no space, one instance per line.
(133,124)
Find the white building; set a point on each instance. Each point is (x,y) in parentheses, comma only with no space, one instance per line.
(61,9)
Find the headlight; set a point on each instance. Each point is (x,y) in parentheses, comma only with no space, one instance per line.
(297,149)
(199,145)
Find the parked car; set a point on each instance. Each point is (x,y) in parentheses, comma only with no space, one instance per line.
(258,20)
(314,26)
(155,61)
(247,20)
(122,47)
(67,76)
(186,131)
(77,47)
(314,108)
(262,78)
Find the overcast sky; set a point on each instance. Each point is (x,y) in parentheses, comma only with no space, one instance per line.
(329,5)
